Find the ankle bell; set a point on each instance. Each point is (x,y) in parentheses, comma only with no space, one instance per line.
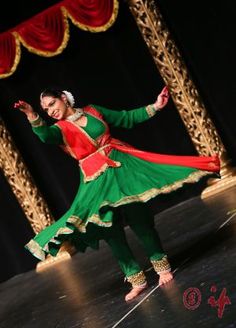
(162,265)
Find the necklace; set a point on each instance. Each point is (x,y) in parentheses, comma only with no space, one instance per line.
(77,114)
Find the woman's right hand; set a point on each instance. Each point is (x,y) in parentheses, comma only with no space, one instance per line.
(26,108)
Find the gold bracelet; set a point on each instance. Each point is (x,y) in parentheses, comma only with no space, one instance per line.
(151,110)
(38,121)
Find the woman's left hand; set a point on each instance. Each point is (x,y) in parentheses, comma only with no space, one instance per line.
(162,99)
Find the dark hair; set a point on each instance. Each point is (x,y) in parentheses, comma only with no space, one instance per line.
(50,92)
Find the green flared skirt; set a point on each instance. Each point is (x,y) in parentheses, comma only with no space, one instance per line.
(136,180)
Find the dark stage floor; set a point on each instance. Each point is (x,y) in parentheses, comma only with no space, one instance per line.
(88,290)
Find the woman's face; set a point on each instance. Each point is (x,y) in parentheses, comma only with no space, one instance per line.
(55,107)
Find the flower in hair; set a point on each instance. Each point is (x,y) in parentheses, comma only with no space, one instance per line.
(69,97)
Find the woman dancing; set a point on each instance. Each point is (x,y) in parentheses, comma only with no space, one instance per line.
(113,175)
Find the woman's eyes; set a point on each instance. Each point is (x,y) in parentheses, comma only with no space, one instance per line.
(49,105)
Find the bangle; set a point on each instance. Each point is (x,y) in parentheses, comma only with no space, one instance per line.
(37,121)
(151,110)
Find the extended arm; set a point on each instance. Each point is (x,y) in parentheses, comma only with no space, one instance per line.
(127,119)
(47,134)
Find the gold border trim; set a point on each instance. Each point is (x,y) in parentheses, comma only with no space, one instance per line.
(95,175)
(49,53)
(81,225)
(102,28)
(35,249)
(151,193)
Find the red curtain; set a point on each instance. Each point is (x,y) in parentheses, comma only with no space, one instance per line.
(9,53)
(47,33)
(90,13)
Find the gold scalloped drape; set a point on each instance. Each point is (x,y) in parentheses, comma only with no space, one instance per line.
(47,33)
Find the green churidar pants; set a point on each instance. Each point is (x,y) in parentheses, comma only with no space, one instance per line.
(141,221)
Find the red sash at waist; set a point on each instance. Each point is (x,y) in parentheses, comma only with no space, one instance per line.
(96,163)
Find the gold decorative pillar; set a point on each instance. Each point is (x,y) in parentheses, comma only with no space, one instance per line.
(183,91)
(21,183)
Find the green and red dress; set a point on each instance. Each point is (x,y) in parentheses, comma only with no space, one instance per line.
(113,173)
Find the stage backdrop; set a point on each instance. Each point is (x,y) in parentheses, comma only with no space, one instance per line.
(113,69)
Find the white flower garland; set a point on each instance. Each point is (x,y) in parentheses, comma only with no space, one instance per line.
(69,97)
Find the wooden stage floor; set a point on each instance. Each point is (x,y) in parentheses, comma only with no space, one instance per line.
(88,289)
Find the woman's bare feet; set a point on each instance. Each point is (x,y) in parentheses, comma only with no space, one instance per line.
(135,291)
(165,277)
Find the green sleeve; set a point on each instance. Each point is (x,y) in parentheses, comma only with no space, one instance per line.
(126,118)
(49,134)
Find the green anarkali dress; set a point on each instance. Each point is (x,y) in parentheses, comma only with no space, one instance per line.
(134,180)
